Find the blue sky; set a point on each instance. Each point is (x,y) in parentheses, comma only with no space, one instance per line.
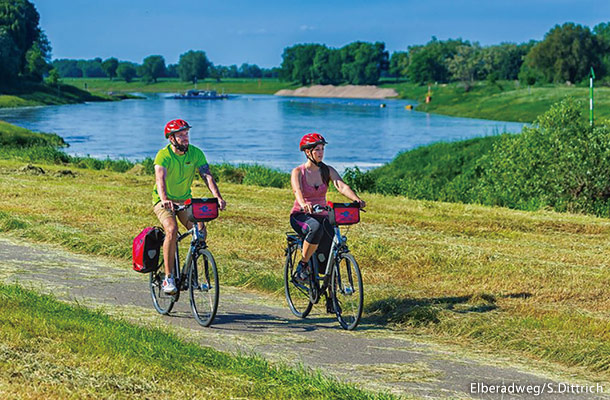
(238,31)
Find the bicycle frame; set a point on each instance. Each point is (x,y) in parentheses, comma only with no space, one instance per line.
(197,243)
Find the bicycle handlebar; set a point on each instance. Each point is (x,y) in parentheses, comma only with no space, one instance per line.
(317,208)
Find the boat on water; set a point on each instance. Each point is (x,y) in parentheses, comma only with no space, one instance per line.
(194,94)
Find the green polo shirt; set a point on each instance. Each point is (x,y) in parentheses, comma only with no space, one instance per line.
(181,171)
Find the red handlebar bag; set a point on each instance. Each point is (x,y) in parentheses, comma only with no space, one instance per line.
(202,210)
(146,249)
(346,213)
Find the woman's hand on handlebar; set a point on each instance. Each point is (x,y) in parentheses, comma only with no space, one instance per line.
(361,202)
(307,208)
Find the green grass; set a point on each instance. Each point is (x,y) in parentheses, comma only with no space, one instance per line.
(529,285)
(52,350)
(167,85)
(31,94)
(505,100)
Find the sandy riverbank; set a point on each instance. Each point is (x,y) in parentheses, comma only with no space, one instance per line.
(349,92)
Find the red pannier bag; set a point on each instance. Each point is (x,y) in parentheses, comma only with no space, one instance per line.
(202,210)
(346,213)
(146,249)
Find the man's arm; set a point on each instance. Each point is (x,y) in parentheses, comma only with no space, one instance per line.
(160,173)
(204,172)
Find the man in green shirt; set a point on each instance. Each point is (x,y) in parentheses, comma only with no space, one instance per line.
(175,168)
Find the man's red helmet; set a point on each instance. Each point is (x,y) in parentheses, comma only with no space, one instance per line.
(175,126)
(311,140)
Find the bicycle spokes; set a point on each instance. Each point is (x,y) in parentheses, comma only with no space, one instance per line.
(347,291)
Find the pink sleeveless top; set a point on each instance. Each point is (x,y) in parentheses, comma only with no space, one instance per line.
(310,194)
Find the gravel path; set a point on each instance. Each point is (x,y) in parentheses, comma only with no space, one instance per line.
(374,356)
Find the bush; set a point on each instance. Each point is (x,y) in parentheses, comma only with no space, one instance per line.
(560,162)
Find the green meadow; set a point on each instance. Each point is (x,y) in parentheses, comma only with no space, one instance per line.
(503,100)
(175,85)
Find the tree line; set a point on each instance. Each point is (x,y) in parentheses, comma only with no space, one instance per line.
(566,54)
(191,66)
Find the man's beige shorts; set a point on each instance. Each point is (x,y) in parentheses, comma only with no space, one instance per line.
(163,213)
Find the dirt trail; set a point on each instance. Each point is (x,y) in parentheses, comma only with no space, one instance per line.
(374,357)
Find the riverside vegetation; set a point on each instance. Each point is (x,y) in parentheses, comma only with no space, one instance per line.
(528,285)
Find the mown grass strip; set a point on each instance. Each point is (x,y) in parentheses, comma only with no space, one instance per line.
(54,350)
(528,284)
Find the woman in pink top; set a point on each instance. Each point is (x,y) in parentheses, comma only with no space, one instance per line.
(310,183)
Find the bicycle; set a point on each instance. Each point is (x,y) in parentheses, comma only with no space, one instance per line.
(341,275)
(198,274)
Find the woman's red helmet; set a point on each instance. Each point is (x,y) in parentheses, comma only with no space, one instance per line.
(174,126)
(311,140)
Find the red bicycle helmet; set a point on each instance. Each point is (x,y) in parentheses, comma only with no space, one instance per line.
(311,140)
(174,126)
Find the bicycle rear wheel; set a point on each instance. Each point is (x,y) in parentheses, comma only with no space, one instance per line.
(204,287)
(162,302)
(347,291)
(297,294)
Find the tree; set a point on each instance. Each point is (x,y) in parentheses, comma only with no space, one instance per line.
(399,64)
(363,62)
(153,67)
(193,65)
(466,64)
(126,71)
(19,32)
(602,32)
(9,56)
(91,68)
(67,68)
(36,65)
(110,66)
(428,63)
(53,79)
(567,53)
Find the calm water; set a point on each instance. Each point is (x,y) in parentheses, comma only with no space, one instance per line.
(252,128)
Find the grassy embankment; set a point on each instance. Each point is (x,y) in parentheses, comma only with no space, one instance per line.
(525,284)
(30,94)
(51,350)
(504,101)
(175,85)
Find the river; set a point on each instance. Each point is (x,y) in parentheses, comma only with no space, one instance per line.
(261,129)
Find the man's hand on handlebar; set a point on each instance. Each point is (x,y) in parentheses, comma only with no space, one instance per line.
(167,204)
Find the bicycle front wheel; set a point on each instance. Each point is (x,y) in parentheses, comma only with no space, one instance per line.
(347,291)
(297,294)
(204,287)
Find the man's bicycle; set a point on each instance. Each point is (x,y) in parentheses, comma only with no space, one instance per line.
(341,275)
(198,275)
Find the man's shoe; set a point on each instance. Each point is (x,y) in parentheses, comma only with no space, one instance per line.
(169,287)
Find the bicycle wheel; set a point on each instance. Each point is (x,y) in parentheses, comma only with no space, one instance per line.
(203,287)
(297,294)
(162,302)
(347,291)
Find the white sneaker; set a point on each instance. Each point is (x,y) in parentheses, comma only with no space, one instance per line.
(169,287)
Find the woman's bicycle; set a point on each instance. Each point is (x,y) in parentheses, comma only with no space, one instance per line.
(198,275)
(341,275)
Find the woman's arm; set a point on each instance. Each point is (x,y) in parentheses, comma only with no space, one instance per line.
(295,181)
(343,187)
